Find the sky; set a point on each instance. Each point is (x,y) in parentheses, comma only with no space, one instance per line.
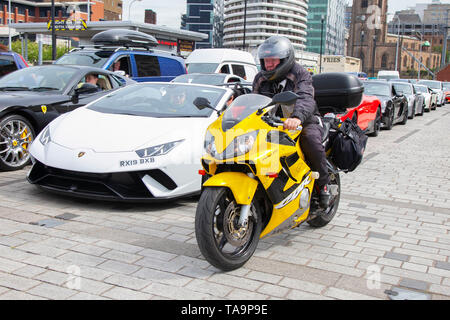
(169,11)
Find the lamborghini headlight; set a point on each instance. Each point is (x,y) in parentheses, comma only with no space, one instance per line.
(45,136)
(158,150)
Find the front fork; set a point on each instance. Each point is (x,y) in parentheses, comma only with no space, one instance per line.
(243,186)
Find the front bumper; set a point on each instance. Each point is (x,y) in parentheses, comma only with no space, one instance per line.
(121,186)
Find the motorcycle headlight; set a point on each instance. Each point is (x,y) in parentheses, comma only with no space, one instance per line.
(209,145)
(45,136)
(158,150)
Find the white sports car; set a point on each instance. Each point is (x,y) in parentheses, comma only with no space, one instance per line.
(143,142)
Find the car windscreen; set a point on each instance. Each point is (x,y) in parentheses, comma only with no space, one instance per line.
(403,88)
(202,67)
(421,89)
(377,89)
(7,64)
(241,108)
(92,59)
(431,84)
(45,78)
(388,77)
(171,100)
(212,79)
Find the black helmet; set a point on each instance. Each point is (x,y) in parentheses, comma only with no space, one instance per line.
(277,47)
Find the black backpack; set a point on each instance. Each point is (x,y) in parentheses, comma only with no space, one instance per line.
(348,146)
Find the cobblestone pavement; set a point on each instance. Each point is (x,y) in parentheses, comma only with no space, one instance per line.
(391,231)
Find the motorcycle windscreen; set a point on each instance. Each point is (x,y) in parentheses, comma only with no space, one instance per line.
(241,108)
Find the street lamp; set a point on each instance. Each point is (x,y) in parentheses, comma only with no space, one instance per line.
(322,19)
(129,8)
(9,24)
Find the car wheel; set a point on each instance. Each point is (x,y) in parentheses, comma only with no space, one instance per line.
(413,112)
(423,110)
(405,117)
(390,120)
(377,124)
(16,136)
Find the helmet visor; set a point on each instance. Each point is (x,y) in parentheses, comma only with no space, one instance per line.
(279,49)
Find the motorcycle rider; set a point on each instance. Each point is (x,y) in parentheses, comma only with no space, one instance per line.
(279,72)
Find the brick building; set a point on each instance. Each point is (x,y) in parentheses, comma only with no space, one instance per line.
(34,11)
(370,41)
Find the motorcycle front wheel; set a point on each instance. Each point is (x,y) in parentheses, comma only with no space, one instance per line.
(225,244)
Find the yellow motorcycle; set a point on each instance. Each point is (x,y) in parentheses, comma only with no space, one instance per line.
(257,182)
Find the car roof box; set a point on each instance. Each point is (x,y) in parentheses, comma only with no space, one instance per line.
(337,91)
(124,38)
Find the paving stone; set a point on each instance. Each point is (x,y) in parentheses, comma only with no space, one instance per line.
(128,282)
(16,282)
(119,267)
(414,284)
(378,235)
(51,291)
(347,295)
(442,265)
(19,295)
(397,256)
(126,294)
(366,219)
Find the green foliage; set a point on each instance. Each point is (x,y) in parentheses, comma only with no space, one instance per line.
(33,51)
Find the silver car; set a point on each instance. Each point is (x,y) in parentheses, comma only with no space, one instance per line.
(415,101)
(436,86)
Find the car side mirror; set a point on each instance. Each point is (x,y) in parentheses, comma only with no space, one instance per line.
(203,103)
(86,88)
(120,73)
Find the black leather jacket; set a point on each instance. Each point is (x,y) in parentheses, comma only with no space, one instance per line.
(299,81)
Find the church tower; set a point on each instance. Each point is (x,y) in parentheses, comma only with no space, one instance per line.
(368,30)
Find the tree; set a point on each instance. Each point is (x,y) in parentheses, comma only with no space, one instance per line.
(33,50)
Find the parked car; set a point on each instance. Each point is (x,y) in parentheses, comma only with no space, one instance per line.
(446,87)
(436,86)
(139,143)
(11,61)
(218,60)
(388,75)
(394,106)
(214,79)
(427,96)
(129,53)
(415,101)
(367,115)
(359,75)
(31,98)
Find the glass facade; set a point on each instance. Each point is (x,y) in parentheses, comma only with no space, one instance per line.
(333,32)
(200,18)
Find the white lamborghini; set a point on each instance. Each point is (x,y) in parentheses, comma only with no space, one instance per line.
(142,142)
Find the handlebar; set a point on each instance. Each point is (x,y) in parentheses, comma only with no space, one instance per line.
(274,121)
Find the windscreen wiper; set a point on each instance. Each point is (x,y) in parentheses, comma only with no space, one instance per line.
(43,88)
(14,89)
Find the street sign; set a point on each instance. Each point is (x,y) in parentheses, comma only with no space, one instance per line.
(68,25)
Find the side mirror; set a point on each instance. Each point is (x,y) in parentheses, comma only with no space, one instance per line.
(120,73)
(285,98)
(86,88)
(202,103)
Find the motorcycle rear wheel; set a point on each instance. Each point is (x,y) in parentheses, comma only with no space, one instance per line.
(221,241)
(325,218)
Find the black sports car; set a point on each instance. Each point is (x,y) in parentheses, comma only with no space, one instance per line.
(394,105)
(32,97)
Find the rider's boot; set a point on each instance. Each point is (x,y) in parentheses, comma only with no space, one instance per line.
(324,196)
